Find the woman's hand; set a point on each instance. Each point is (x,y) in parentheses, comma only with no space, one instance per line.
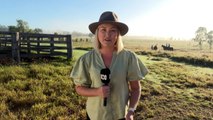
(130,115)
(103,91)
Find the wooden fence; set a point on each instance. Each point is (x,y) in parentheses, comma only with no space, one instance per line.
(28,45)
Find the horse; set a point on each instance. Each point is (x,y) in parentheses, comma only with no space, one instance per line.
(167,48)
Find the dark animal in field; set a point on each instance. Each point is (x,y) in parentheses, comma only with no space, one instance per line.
(167,47)
(154,47)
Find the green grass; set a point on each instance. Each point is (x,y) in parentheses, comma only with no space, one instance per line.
(176,91)
(78,53)
(42,89)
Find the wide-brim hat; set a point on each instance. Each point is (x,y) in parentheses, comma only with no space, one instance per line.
(109,17)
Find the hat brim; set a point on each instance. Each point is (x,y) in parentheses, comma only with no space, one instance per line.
(123,28)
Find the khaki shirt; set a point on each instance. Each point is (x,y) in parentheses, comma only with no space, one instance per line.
(125,66)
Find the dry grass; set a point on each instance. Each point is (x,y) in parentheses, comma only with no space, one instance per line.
(171,91)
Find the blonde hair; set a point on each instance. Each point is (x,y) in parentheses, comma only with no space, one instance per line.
(119,44)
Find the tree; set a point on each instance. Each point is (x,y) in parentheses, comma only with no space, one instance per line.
(3,28)
(22,26)
(201,36)
(38,30)
(12,28)
(210,39)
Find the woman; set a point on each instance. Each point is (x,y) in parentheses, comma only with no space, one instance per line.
(124,89)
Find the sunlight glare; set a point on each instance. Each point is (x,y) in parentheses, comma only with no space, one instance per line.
(179,19)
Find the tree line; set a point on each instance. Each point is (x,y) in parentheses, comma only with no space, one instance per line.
(21,26)
(201,36)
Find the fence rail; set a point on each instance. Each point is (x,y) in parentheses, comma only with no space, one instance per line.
(28,45)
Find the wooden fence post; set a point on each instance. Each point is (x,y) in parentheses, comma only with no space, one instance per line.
(38,45)
(51,46)
(16,47)
(28,46)
(69,46)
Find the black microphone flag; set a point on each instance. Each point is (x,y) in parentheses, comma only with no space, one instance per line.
(105,79)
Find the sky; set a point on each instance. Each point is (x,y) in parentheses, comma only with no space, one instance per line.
(160,18)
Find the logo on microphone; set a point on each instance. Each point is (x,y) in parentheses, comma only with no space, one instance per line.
(103,77)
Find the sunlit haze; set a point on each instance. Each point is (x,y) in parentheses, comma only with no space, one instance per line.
(178,19)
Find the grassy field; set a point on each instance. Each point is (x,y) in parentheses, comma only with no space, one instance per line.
(176,91)
(173,90)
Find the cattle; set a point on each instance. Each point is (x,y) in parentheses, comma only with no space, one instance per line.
(154,47)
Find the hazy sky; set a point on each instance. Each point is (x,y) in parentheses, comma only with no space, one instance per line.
(169,18)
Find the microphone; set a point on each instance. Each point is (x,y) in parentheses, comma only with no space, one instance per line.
(105,79)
